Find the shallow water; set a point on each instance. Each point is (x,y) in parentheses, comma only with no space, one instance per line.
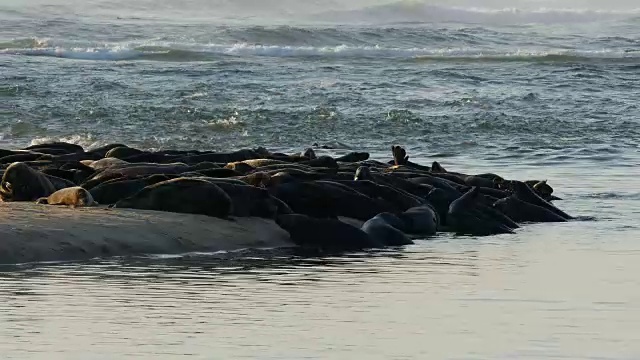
(554,100)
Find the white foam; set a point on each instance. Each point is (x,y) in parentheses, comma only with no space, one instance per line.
(86,140)
(125,52)
(108,53)
(346,51)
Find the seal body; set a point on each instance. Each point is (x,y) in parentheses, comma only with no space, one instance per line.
(523,192)
(181,195)
(386,229)
(465,217)
(420,220)
(107,163)
(522,211)
(23,183)
(247,200)
(113,191)
(324,234)
(72,196)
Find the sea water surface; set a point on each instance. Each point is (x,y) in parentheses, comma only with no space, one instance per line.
(524,92)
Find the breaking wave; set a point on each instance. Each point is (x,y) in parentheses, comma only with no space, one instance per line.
(178,53)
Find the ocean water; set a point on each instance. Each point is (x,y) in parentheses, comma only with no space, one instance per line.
(526,91)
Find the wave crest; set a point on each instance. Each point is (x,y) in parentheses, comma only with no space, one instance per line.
(217,51)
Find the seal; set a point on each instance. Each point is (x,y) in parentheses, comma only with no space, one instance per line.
(59,183)
(440,200)
(101,151)
(400,199)
(323,161)
(363,173)
(351,203)
(420,220)
(257,163)
(465,218)
(305,198)
(523,192)
(296,166)
(240,167)
(544,190)
(122,152)
(257,179)
(324,234)
(66,147)
(154,157)
(386,229)
(522,211)
(68,175)
(479,181)
(22,183)
(218,173)
(52,151)
(133,171)
(309,153)
(110,192)
(436,167)
(295,174)
(352,157)
(400,158)
(22,157)
(247,200)
(181,195)
(419,190)
(205,165)
(107,163)
(240,155)
(72,196)
(436,182)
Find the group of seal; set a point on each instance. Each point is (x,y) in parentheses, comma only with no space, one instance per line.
(308,195)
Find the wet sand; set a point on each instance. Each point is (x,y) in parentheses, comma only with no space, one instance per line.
(34,233)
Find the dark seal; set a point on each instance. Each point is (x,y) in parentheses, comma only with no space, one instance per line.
(22,183)
(181,195)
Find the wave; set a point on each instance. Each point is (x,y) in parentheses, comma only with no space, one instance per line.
(87,141)
(179,53)
(421,12)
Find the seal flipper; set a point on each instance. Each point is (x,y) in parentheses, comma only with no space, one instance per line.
(43,201)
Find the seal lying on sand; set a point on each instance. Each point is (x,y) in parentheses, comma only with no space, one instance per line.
(181,195)
(72,196)
(22,183)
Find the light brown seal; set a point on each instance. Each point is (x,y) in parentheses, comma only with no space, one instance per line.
(75,196)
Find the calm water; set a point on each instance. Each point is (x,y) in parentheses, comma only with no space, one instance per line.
(528,94)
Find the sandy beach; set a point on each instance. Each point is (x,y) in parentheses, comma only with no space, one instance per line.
(36,233)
